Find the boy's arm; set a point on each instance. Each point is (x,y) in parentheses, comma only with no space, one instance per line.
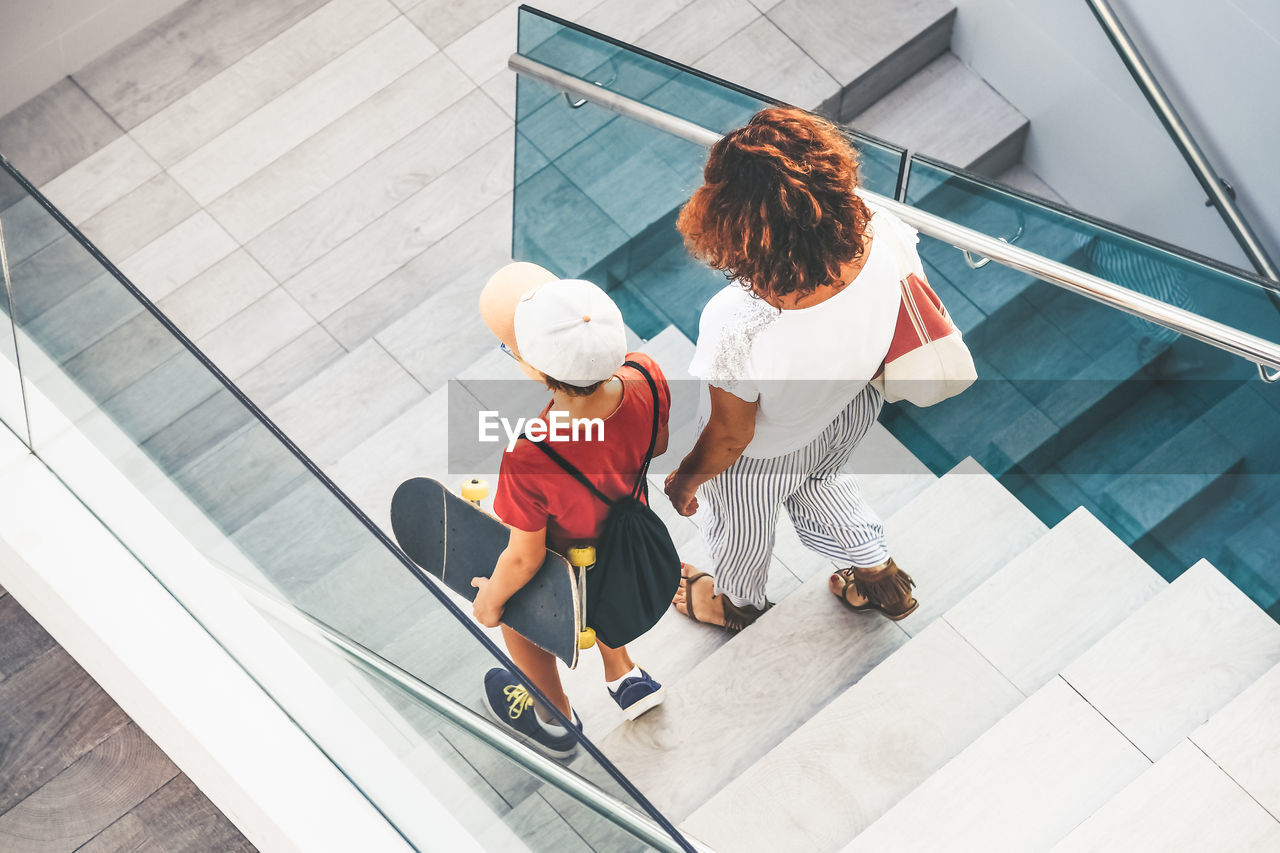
(517,565)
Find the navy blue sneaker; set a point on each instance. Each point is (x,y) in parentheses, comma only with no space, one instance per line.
(511,705)
(638,694)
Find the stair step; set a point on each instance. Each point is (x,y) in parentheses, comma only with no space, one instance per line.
(847,765)
(1183,802)
(951,537)
(1020,177)
(869,47)
(948,112)
(1055,600)
(1022,785)
(1244,740)
(1168,478)
(1013,633)
(1177,660)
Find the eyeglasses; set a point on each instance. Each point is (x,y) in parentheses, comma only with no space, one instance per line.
(508,350)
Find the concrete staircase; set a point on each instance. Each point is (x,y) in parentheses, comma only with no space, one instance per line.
(1049,675)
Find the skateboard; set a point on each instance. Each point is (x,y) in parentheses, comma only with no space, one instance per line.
(453,539)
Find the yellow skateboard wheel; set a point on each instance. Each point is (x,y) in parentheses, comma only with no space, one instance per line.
(582,557)
(586,638)
(475,490)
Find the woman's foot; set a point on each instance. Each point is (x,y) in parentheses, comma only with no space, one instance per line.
(885,588)
(842,587)
(696,599)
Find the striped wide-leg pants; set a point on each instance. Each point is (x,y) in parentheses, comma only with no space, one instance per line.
(823,501)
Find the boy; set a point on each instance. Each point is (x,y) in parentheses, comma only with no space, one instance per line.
(569,336)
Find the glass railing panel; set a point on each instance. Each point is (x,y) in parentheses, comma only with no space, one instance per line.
(12,408)
(1164,438)
(103,369)
(1105,250)
(1167,440)
(597,194)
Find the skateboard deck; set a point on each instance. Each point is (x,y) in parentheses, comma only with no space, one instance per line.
(456,541)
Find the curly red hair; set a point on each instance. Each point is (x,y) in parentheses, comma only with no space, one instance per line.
(777,209)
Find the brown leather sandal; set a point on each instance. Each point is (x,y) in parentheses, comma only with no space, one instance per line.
(735,618)
(887,589)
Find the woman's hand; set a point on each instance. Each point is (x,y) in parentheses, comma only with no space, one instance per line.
(486,611)
(683,492)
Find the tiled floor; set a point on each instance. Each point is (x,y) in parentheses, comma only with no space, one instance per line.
(66,749)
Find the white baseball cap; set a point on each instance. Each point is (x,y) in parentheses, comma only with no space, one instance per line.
(571,331)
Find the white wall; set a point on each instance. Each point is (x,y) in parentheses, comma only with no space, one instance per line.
(42,41)
(1095,139)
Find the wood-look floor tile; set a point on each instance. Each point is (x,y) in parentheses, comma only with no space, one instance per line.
(54,131)
(1183,802)
(310,171)
(1173,663)
(1244,740)
(100,179)
(95,791)
(126,835)
(251,336)
(290,366)
(406,231)
(762,58)
(469,253)
(182,253)
(326,95)
(51,713)
(139,217)
(698,28)
(850,762)
(217,294)
(259,77)
(182,50)
(443,21)
(397,173)
(21,637)
(1028,781)
(28,227)
(180,819)
(360,393)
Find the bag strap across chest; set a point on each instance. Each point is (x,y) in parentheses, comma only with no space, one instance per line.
(639,488)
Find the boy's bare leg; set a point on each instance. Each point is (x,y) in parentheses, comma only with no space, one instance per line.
(540,666)
(617,662)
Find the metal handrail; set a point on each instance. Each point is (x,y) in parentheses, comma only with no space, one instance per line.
(546,769)
(1221,195)
(1251,347)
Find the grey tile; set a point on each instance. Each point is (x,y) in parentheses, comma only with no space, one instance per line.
(83,318)
(1244,739)
(170,394)
(375,188)
(443,21)
(50,276)
(628,21)
(359,394)
(470,253)
(405,231)
(139,217)
(285,122)
(122,357)
(28,227)
(182,50)
(761,57)
(248,338)
(217,294)
(290,366)
(179,817)
(340,149)
(100,179)
(177,256)
(699,28)
(259,77)
(53,131)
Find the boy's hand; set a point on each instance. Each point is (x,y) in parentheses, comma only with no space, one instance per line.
(682,492)
(486,612)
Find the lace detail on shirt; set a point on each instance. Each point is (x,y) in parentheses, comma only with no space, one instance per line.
(737,336)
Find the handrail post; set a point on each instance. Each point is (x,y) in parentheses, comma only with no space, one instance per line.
(1181,135)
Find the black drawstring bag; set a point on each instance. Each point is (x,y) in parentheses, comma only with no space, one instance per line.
(637,568)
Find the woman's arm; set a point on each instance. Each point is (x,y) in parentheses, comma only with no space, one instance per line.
(727,433)
(517,565)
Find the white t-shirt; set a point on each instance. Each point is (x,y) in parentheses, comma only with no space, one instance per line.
(804,365)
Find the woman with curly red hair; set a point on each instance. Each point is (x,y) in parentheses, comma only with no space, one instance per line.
(787,350)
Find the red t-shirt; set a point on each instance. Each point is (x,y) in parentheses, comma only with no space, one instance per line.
(534,492)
